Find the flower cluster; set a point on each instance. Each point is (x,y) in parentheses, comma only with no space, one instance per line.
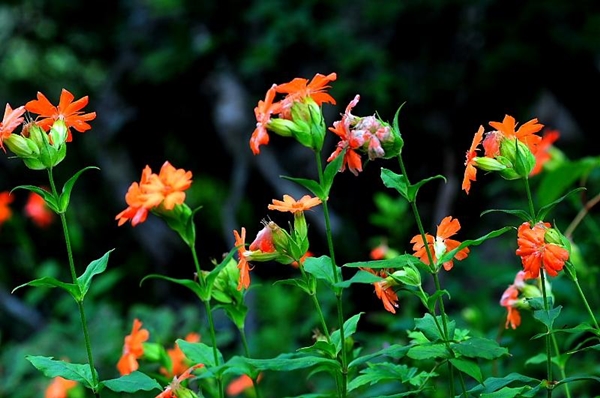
(41,142)
(162,191)
(541,248)
(508,150)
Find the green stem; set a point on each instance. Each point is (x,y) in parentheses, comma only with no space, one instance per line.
(585,302)
(338,291)
(86,335)
(547,338)
(247,354)
(561,368)
(315,300)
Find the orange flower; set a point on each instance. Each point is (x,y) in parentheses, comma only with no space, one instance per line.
(470,170)
(38,211)
(293,206)
(5,212)
(536,253)
(66,110)
(12,118)
(348,142)
(542,156)
(175,385)
(133,348)
(179,362)
(506,128)
(441,244)
(379,252)
(263,112)
(263,240)
(167,188)
(241,384)
(300,88)
(137,210)
(243,264)
(384,291)
(508,300)
(59,387)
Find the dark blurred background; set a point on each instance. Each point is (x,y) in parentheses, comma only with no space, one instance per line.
(178,80)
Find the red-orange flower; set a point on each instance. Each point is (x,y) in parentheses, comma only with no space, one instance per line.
(167,188)
(264,240)
(347,142)
(542,156)
(59,387)
(241,384)
(137,210)
(179,362)
(175,385)
(384,291)
(440,244)
(506,128)
(508,300)
(300,88)
(470,170)
(5,212)
(11,120)
(37,209)
(66,110)
(536,253)
(133,348)
(290,204)
(243,264)
(263,112)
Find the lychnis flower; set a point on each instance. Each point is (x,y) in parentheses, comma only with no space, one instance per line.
(440,244)
(384,290)
(133,348)
(539,248)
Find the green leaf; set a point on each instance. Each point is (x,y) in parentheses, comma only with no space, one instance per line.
(469,367)
(295,282)
(495,383)
(397,262)
(382,372)
(311,185)
(429,326)
(394,351)
(212,275)
(547,317)
(190,284)
(322,268)
(555,182)
(320,347)
(94,268)
(48,281)
(479,347)
(288,362)
(49,198)
(360,277)
(65,196)
(349,330)
(522,214)
(396,127)
(199,353)
(133,382)
(400,183)
(428,351)
(473,242)
(329,174)
(546,209)
(52,368)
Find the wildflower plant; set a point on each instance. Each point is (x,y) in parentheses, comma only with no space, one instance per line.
(434,357)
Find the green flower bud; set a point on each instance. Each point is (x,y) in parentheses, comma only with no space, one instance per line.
(488,164)
(21,146)
(409,275)
(183,392)
(519,155)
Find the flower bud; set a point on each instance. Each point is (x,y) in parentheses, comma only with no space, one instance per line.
(306,125)
(183,392)
(519,155)
(488,164)
(409,275)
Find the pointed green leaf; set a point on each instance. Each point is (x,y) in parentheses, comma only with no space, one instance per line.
(133,382)
(479,347)
(473,242)
(397,262)
(190,284)
(321,347)
(331,170)
(349,330)
(52,368)
(199,353)
(400,183)
(360,277)
(496,383)
(49,198)
(428,351)
(382,372)
(295,282)
(396,127)
(468,366)
(94,268)
(322,268)
(521,214)
(396,351)
(65,196)
(554,182)
(287,362)
(546,209)
(431,327)
(547,317)
(311,185)
(48,281)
